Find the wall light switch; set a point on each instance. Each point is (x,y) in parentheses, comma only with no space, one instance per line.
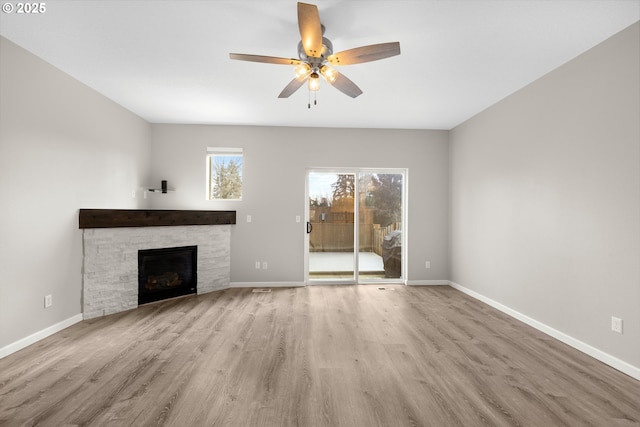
(297,218)
(248,218)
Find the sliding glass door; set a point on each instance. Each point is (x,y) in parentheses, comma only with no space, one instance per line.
(331,226)
(380,225)
(355,226)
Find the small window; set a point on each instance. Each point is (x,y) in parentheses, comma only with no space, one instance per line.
(224,173)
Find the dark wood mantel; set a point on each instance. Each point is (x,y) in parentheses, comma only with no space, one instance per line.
(115,218)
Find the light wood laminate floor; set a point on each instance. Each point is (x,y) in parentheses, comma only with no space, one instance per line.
(314,356)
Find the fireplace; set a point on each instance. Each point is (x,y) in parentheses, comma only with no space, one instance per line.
(166,273)
(111,239)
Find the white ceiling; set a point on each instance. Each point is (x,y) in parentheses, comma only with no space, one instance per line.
(168,61)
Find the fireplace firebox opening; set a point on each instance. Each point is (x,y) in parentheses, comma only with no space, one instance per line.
(166,273)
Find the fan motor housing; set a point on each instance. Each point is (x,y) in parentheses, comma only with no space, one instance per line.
(327,50)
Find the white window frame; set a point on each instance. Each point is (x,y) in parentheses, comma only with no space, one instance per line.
(222,151)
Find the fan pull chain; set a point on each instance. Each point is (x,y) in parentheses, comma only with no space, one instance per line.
(315,98)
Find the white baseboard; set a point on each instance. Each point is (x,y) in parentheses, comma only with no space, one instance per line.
(266,284)
(33,338)
(427,282)
(610,360)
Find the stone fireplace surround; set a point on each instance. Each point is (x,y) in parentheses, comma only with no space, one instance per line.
(112,238)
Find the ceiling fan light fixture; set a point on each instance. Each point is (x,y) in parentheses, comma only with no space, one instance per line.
(329,73)
(302,70)
(314,82)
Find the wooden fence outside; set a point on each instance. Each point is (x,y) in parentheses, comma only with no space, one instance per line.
(379,234)
(331,237)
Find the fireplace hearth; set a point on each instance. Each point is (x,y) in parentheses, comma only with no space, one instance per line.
(166,273)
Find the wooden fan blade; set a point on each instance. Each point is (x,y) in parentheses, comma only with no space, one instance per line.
(358,55)
(346,86)
(293,86)
(310,29)
(264,59)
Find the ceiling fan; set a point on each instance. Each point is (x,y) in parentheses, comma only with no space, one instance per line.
(316,57)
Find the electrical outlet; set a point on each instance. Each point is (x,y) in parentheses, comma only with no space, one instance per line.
(427,264)
(48,301)
(297,218)
(265,265)
(257,265)
(133,194)
(248,218)
(616,324)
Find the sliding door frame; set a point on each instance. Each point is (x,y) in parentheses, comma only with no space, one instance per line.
(404,248)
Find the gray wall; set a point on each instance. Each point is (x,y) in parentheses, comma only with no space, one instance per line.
(274,188)
(62,147)
(545,199)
